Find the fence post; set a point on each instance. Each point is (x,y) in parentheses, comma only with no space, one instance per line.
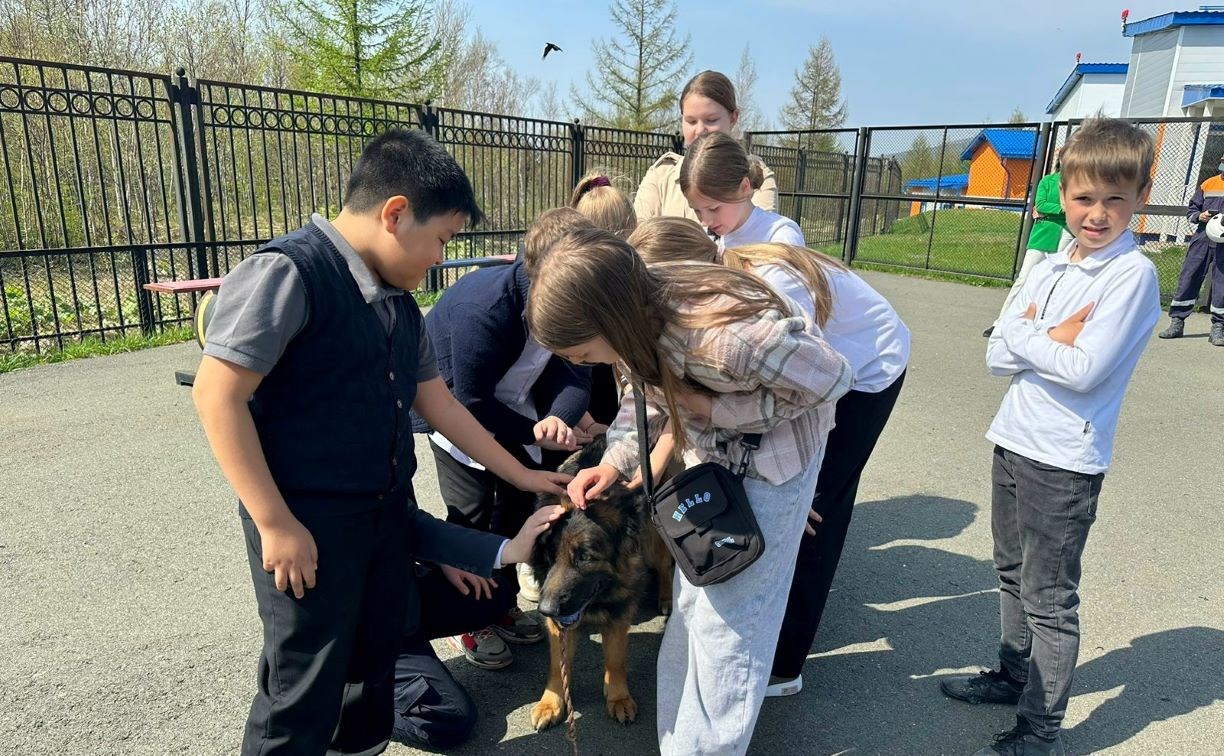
(578,153)
(144,300)
(856,194)
(191,201)
(429,118)
(678,143)
(1041,159)
(800,184)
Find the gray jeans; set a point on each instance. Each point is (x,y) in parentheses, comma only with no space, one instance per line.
(1040,516)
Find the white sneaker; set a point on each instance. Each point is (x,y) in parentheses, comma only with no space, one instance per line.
(529,589)
(780,686)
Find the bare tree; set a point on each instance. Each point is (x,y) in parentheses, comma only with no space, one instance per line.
(816,101)
(750,117)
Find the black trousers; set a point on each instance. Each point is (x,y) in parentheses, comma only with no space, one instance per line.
(432,710)
(860,420)
(325,672)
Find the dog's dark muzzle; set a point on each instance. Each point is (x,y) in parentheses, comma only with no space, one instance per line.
(566,608)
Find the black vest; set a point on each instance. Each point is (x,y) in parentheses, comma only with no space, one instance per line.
(333,414)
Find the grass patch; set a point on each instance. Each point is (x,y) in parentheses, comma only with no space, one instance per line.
(95,347)
(974,247)
(427,298)
(962,244)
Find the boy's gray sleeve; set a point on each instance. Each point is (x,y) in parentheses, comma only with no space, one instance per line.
(427,362)
(260,307)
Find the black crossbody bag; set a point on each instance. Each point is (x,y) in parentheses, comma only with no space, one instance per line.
(703,514)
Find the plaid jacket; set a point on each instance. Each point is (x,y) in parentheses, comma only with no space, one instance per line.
(775,376)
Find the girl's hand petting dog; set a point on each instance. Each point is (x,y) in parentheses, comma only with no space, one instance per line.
(591,482)
(519,548)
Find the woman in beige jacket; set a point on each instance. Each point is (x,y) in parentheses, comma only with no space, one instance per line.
(707,103)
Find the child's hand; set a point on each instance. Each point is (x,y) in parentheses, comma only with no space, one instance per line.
(553,433)
(1205,216)
(519,548)
(289,551)
(595,429)
(461,579)
(1068,331)
(541,481)
(591,482)
(814,519)
(1031,312)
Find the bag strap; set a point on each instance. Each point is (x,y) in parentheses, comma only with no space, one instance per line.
(750,441)
(643,429)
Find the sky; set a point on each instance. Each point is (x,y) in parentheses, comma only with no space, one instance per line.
(902,63)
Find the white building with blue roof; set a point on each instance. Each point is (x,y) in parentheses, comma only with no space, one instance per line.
(1091,88)
(1176,68)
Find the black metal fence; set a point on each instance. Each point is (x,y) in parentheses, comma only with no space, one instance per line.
(111,179)
(957,198)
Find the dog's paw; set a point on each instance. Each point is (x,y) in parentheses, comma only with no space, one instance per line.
(665,608)
(547,712)
(623,709)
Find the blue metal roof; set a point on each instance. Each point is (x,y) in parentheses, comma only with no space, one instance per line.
(958,182)
(1077,73)
(1193,94)
(1170,20)
(1009,143)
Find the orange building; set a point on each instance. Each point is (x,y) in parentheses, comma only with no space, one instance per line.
(1000,163)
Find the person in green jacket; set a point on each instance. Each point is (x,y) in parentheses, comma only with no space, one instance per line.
(1049,222)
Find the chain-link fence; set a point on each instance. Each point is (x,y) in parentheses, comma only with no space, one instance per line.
(1188,151)
(957,199)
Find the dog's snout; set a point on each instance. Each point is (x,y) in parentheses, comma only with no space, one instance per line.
(550,605)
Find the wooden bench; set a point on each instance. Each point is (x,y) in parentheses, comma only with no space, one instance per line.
(190,286)
(475,262)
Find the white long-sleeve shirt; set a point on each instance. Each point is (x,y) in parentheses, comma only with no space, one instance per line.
(863,326)
(1063,403)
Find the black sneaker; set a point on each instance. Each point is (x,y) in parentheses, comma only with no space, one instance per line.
(1217,334)
(1177,326)
(990,686)
(1020,741)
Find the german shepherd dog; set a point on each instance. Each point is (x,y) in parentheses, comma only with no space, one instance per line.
(592,567)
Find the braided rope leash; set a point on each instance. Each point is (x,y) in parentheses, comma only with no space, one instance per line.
(572,734)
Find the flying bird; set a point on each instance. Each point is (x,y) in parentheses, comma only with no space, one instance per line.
(549,47)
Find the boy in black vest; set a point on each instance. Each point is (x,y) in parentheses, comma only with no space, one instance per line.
(315,356)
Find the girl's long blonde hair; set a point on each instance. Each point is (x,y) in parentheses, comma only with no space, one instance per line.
(603,204)
(663,240)
(595,284)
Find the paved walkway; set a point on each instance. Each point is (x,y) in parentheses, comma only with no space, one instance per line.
(128,626)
